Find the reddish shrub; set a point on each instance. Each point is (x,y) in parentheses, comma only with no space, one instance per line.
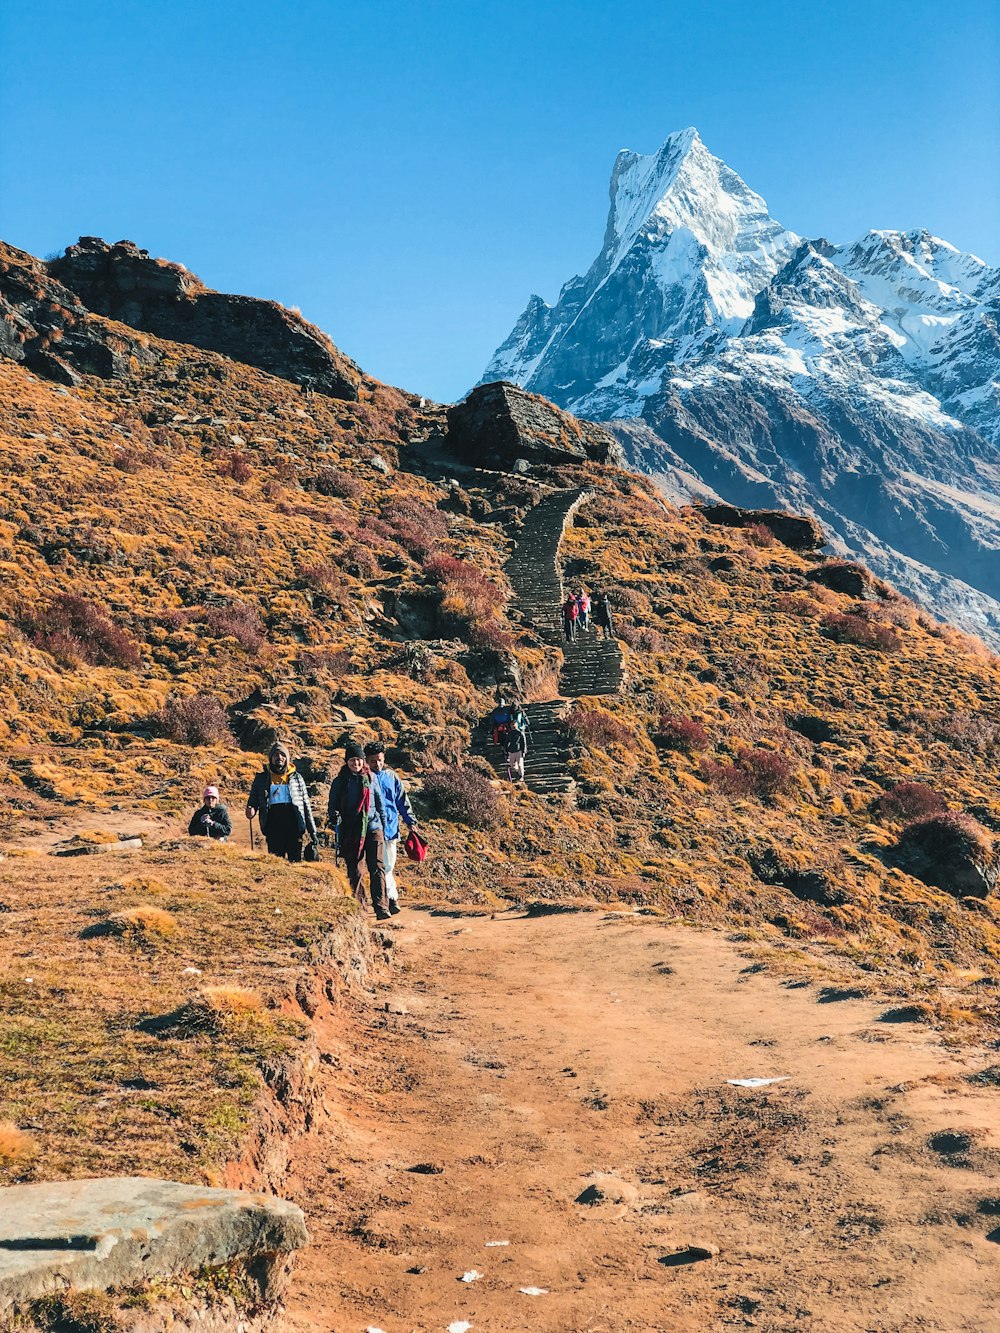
(199,719)
(909,800)
(797,604)
(330,480)
(848,628)
(176,618)
(417,527)
(324,576)
(490,636)
(239,621)
(759,534)
(463,794)
(360,561)
(971,733)
(755,773)
(730,779)
(680,733)
(338,661)
(236,466)
(75,630)
(599,728)
(469,594)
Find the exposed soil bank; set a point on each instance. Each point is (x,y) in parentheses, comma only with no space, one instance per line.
(560,1083)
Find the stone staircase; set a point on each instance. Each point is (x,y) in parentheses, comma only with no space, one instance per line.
(592,665)
(549,749)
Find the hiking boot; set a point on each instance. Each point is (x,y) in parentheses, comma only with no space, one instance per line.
(382,916)
(393,907)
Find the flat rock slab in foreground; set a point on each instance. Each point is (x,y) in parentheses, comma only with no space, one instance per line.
(96,1234)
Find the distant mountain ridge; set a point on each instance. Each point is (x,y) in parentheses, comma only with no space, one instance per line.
(859,381)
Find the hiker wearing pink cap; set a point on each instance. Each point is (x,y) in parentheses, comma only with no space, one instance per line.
(212,820)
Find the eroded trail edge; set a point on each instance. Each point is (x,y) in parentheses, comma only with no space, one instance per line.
(560,1083)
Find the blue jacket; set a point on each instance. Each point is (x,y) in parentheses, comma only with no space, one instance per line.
(396,803)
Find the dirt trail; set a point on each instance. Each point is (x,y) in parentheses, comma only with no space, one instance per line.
(538,1056)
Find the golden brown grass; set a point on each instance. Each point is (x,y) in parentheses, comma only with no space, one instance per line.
(119,493)
(142,921)
(15,1145)
(130,1061)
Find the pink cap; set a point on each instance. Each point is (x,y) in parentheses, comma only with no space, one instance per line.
(210,791)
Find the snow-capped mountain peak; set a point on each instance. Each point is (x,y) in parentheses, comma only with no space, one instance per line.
(687,244)
(861,380)
(683,186)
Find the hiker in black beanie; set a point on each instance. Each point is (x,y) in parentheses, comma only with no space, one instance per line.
(356,804)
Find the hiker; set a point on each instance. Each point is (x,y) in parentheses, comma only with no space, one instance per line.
(279,795)
(212,819)
(500,721)
(517,748)
(602,616)
(356,805)
(583,604)
(397,805)
(519,721)
(570,615)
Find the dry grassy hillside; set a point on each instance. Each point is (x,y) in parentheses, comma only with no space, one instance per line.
(198,556)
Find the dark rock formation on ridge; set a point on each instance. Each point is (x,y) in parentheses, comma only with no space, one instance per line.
(499,424)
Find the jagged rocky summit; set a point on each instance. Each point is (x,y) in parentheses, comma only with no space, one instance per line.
(739,362)
(54,318)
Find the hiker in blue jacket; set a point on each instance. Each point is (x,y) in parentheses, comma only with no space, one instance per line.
(397,806)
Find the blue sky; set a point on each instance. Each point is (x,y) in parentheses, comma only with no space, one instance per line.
(408,173)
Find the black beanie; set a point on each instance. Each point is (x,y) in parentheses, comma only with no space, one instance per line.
(353,751)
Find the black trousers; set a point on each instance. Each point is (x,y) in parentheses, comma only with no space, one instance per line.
(282,832)
(372,855)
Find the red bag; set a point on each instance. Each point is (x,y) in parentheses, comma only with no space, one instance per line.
(414,846)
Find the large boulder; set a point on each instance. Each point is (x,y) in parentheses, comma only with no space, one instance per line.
(99,1234)
(499,425)
(124,283)
(797,531)
(853,580)
(952,852)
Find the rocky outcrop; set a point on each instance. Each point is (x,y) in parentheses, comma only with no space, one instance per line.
(799,532)
(124,283)
(852,580)
(499,425)
(45,327)
(951,852)
(119,1232)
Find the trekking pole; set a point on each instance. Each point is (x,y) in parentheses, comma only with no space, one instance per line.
(251,834)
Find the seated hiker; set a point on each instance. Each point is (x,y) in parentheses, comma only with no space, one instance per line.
(583,603)
(356,805)
(500,721)
(570,615)
(397,806)
(280,796)
(212,819)
(602,616)
(517,748)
